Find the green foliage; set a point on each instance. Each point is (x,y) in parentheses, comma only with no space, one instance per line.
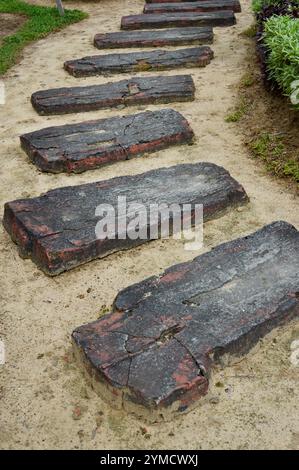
(41,21)
(281,37)
(291,168)
(264,144)
(258,5)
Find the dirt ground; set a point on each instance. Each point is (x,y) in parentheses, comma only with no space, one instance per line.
(44,400)
(9,24)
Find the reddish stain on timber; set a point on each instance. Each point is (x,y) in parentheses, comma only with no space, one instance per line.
(110,322)
(185,372)
(174,275)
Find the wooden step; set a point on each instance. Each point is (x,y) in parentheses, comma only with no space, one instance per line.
(154,353)
(178,1)
(196,7)
(155,38)
(91,144)
(139,61)
(57,230)
(137,90)
(169,20)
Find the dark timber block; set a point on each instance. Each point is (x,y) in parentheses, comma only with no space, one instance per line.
(179,1)
(155,351)
(156,38)
(57,230)
(169,20)
(91,144)
(196,7)
(137,90)
(139,61)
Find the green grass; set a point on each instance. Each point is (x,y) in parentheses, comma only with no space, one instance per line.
(238,112)
(271,149)
(40,22)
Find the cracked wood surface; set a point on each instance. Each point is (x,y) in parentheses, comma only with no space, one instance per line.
(137,90)
(139,61)
(201,6)
(91,144)
(57,230)
(168,20)
(156,349)
(155,38)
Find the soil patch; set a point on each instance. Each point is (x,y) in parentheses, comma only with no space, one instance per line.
(9,24)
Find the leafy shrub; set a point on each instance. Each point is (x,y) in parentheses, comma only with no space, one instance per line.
(264,9)
(275,5)
(283,34)
(281,39)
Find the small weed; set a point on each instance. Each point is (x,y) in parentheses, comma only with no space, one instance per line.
(250,32)
(105,309)
(219,384)
(238,113)
(233,117)
(247,80)
(291,168)
(259,146)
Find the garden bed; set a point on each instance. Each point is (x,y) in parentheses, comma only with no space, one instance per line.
(268,118)
(29,23)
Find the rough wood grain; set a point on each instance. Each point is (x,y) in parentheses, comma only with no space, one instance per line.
(197,7)
(137,90)
(139,61)
(170,20)
(91,144)
(155,351)
(178,1)
(57,230)
(155,38)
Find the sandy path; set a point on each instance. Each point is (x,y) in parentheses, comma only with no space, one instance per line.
(41,389)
